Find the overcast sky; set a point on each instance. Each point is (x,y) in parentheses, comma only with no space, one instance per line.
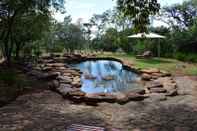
(86,8)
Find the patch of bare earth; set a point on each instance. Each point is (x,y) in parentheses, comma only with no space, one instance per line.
(48,111)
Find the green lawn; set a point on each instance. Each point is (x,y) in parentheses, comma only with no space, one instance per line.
(174,66)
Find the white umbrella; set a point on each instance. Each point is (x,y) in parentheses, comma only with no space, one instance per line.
(148,36)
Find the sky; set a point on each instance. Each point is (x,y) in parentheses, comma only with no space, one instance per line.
(84,9)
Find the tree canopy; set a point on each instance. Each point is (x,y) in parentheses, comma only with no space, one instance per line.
(139,11)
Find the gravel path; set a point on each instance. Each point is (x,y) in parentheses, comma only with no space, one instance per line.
(48,111)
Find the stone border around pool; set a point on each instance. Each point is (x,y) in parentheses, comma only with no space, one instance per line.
(65,80)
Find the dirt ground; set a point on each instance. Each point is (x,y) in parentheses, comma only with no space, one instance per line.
(48,111)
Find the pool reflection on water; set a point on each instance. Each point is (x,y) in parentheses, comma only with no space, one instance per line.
(106,76)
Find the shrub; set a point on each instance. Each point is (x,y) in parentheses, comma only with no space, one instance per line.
(189,57)
(11,78)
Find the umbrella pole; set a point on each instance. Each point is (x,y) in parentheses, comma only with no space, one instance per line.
(159,48)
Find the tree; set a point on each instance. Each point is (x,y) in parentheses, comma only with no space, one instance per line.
(64,35)
(139,11)
(110,40)
(180,15)
(16,12)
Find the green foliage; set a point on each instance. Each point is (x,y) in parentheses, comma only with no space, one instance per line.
(11,78)
(8,77)
(139,48)
(186,57)
(183,14)
(22,22)
(139,11)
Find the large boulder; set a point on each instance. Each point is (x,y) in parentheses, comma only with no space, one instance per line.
(53,85)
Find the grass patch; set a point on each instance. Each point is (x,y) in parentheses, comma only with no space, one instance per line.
(173,66)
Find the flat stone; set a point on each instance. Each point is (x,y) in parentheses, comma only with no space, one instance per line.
(165,73)
(65,85)
(96,98)
(46,69)
(157,75)
(154,84)
(150,71)
(76,79)
(170,86)
(64,79)
(76,93)
(46,61)
(135,97)
(158,90)
(61,68)
(146,77)
(76,84)
(50,76)
(55,65)
(138,91)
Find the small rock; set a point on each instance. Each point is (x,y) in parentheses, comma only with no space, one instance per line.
(108,78)
(89,77)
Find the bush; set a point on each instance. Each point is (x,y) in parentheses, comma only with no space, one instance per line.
(10,85)
(189,57)
(11,78)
